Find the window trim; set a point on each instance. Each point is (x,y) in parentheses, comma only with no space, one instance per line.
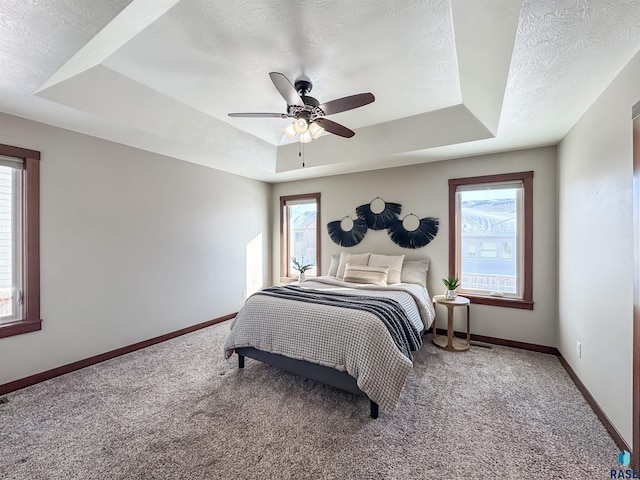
(526,302)
(31,320)
(285,274)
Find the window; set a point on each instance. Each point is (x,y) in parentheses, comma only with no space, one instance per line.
(494,212)
(299,233)
(19,241)
(505,250)
(10,233)
(471,250)
(487,249)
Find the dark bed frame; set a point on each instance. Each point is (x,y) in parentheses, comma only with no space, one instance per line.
(320,373)
(328,375)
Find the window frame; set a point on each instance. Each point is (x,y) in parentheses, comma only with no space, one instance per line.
(285,274)
(30,321)
(526,302)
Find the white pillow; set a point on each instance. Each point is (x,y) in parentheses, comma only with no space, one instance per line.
(415,271)
(333,268)
(366,274)
(352,258)
(394,262)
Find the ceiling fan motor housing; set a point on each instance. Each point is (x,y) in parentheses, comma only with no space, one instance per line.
(303,86)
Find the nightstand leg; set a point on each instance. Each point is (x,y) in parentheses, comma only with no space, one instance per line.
(468,329)
(433,325)
(449,327)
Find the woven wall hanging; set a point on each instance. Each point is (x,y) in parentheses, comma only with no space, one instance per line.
(381,215)
(380,220)
(347,238)
(419,237)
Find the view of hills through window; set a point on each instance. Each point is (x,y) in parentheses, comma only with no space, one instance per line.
(489,248)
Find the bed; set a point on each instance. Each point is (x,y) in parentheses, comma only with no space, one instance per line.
(345,329)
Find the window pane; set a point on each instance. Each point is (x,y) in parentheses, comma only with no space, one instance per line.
(489,219)
(7,235)
(303,234)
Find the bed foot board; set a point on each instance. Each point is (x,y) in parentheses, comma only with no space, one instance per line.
(374,409)
(329,376)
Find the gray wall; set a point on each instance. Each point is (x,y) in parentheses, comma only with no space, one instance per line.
(423,190)
(595,178)
(133,245)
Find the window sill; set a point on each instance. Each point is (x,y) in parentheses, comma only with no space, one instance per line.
(19,327)
(294,279)
(499,301)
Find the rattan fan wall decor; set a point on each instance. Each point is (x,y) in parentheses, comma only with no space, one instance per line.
(384,217)
(347,238)
(425,232)
(380,220)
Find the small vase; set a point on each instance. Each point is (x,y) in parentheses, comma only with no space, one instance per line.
(450,294)
(301,277)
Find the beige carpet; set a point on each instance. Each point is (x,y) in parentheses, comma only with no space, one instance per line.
(178,410)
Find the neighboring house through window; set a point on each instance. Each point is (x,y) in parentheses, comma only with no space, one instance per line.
(471,250)
(494,214)
(19,241)
(299,233)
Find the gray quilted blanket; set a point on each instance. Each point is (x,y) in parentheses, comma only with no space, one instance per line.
(389,311)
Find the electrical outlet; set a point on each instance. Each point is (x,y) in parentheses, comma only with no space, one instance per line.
(244,294)
(579,349)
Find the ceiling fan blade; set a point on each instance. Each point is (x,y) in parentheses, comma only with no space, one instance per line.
(286,89)
(347,103)
(335,128)
(261,115)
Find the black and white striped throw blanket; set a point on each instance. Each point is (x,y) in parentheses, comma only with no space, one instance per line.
(389,311)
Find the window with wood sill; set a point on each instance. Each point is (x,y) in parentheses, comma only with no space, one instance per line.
(491,238)
(299,234)
(19,241)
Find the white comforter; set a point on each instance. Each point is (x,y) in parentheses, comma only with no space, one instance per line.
(345,339)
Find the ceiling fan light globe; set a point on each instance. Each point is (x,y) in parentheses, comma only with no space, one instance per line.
(315,130)
(290,131)
(300,126)
(306,137)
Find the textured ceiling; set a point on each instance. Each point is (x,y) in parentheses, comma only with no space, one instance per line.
(565,53)
(451,77)
(38,36)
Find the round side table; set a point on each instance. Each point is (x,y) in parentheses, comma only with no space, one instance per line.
(451,343)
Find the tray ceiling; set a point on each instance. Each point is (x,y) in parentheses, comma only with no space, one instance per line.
(451,78)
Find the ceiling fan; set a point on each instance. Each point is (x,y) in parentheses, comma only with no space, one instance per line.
(309,114)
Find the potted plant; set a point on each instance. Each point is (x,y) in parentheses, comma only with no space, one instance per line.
(301,267)
(451,283)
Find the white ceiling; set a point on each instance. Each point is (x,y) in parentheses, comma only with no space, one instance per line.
(451,77)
